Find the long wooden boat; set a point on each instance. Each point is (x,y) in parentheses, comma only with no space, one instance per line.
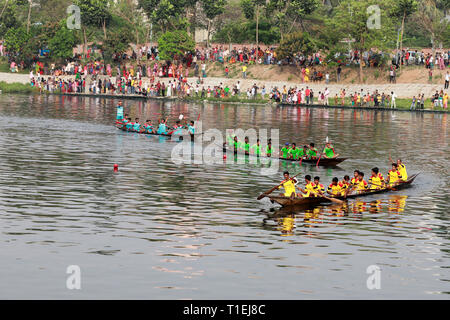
(324,162)
(297,201)
(179,136)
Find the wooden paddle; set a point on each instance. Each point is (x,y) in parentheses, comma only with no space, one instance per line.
(330,199)
(333,199)
(265,194)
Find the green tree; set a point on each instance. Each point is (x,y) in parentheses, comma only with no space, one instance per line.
(16,39)
(94,13)
(288,13)
(432,19)
(117,42)
(212,8)
(165,13)
(174,43)
(62,43)
(294,43)
(8,19)
(354,19)
(252,10)
(403,9)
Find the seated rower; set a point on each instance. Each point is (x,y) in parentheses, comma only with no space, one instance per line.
(289,185)
(401,168)
(376,180)
(148,127)
(303,151)
(336,188)
(136,126)
(123,122)
(269,149)
(177,128)
(309,188)
(284,153)
(162,128)
(245,147)
(129,125)
(345,184)
(294,152)
(236,145)
(329,152)
(394,175)
(256,148)
(354,180)
(361,185)
(312,152)
(318,187)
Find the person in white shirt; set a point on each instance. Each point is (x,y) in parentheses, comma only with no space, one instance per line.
(393,97)
(326,94)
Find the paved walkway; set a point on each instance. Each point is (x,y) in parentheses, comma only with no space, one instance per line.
(403,90)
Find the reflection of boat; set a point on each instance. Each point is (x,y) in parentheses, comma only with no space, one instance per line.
(310,201)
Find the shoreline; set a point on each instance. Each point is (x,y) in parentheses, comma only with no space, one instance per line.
(198,100)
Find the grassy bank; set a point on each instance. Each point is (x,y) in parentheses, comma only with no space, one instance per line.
(16,88)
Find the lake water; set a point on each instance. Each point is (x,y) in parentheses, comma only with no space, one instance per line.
(160,230)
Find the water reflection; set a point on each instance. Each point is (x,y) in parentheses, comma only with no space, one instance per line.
(286,219)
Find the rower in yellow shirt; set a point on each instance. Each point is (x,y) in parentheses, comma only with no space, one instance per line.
(401,168)
(394,175)
(309,188)
(335,188)
(289,185)
(361,185)
(354,180)
(376,180)
(318,187)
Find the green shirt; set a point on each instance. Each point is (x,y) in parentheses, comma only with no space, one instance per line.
(328,152)
(285,151)
(256,149)
(269,151)
(312,153)
(295,153)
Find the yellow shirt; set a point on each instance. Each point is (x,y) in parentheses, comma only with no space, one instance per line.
(402,170)
(289,188)
(394,176)
(309,188)
(335,190)
(362,186)
(376,181)
(244,68)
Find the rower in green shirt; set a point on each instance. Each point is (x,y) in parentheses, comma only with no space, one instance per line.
(312,152)
(269,149)
(329,151)
(245,146)
(303,151)
(285,151)
(256,148)
(294,152)
(236,145)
